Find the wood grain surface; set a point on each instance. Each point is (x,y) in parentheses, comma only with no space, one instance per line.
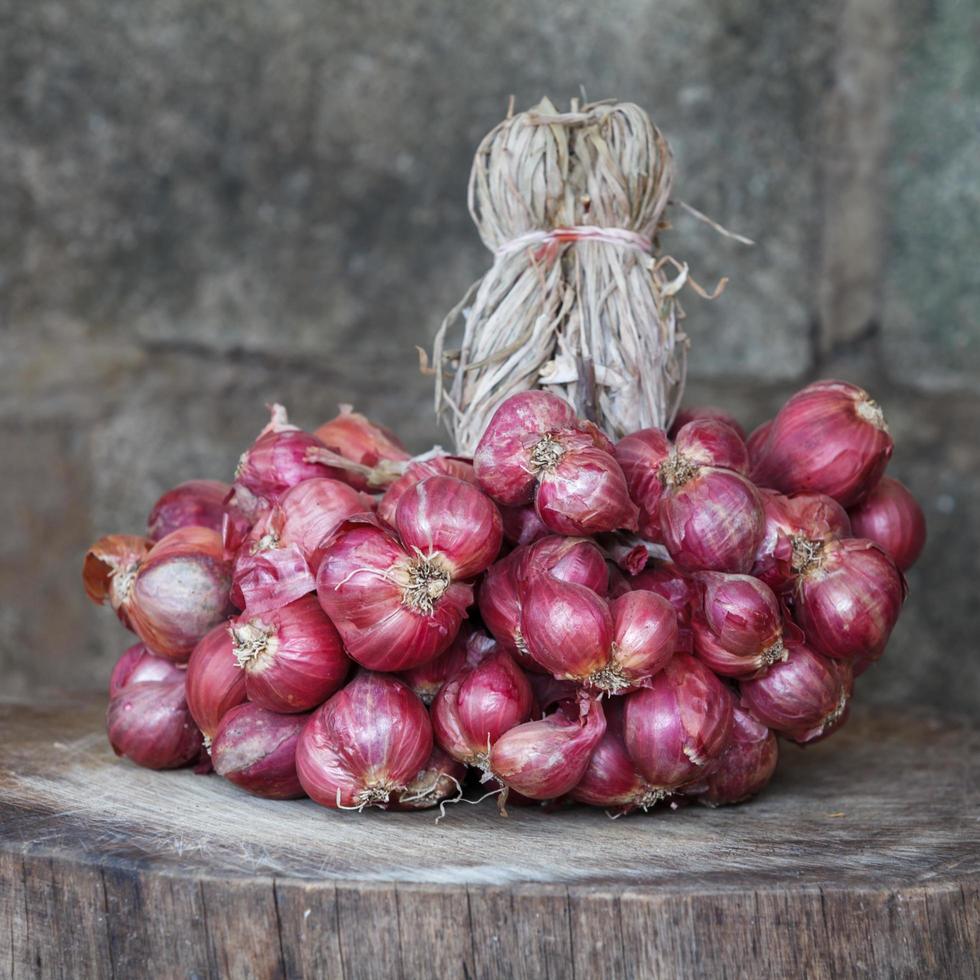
(862,859)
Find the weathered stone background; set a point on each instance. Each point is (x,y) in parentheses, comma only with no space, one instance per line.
(204,207)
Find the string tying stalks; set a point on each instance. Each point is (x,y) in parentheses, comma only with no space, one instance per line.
(577,300)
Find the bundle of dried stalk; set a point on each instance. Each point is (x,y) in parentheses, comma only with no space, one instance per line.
(577,300)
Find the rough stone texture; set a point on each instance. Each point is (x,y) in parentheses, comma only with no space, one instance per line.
(204,208)
(931,318)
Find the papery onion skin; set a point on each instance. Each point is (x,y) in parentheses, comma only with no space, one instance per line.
(293,657)
(256,750)
(109,571)
(180,591)
(196,503)
(848,601)
(640,455)
(452,518)
(585,493)
(546,759)
(757,440)
(686,415)
(420,470)
(313,510)
(568,629)
(355,437)
(746,765)
(268,579)
(138,666)
(674,584)
(365,585)
(611,779)
(215,682)
(499,600)
(242,509)
(365,745)
(484,699)
(743,613)
(502,460)
(804,698)
(831,438)
(440,778)
(712,442)
(149,723)
(676,729)
(573,559)
(712,521)
(644,635)
(426,679)
(892,518)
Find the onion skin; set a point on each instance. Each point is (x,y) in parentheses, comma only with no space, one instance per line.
(241,511)
(426,679)
(712,442)
(256,750)
(499,600)
(196,503)
(355,437)
(487,697)
(440,778)
(215,682)
(416,472)
(546,759)
(674,584)
(502,460)
(149,724)
(676,729)
(892,518)
(611,779)
(313,510)
(137,666)
(110,568)
(757,439)
(644,635)
(293,657)
(830,438)
(585,493)
(452,518)
(365,745)
(713,521)
(180,591)
(522,525)
(848,602)
(574,559)
(640,455)
(361,585)
(804,698)
(686,415)
(746,765)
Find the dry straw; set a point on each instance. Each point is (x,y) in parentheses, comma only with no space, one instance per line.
(577,301)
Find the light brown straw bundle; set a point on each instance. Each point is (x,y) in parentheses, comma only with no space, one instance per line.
(577,300)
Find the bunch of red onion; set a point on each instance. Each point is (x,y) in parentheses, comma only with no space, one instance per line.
(558,619)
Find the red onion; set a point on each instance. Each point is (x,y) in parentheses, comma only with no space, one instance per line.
(256,750)
(640,454)
(710,518)
(756,440)
(795,527)
(241,510)
(892,518)
(453,520)
(804,698)
(360,440)
(686,415)
(313,510)
(292,656)
(138,666)
(488,696)
(499,600)
(506,461)
(522,525)
(739,630)
(277,460)
(215,682)
(676,729)
(440,778)
(365,745)
(393,608)
(420,470)
(746,765)
(426,679)
(110,569)
(547,758)
(675,585)
(711,442)
(644,636)
(197,503)
(149,724)
(848,599)
(611,780)
(830,438)
(576,560)
(584,492)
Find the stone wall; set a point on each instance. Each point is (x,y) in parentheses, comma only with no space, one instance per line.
(207,207)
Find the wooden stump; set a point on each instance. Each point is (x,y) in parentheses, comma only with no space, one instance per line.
(862,859)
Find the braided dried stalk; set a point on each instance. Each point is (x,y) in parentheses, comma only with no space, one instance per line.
(594,321)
